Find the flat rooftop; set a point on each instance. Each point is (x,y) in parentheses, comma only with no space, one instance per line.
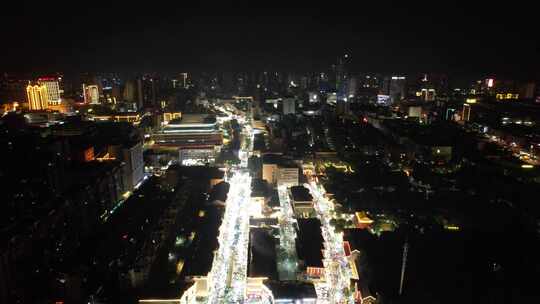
(262,247)
(301,194)
(259,187)
(310,242)
(194,119)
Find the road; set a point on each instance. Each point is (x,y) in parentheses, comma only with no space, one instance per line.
(229,269)
(287,255)
(338,272)
(228,276)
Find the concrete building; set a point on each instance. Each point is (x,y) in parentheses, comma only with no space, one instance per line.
(395,87)
(310,242)
(289,106)
(287,175)
(196,136)
(129,91)
(131,154)
(269,172)
(91,94)
(38,99)
(53,89)
(279,171)
(260,196)
(133,158)
(302,201)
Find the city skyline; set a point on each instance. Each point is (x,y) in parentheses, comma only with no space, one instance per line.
(349,154)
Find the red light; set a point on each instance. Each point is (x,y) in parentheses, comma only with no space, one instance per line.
(364,119)
(125,236)
(47,79)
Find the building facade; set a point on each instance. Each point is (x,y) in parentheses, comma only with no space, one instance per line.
(133,157)
(37,97)
(287,176)
(91,94)
(53,89)
(289,106)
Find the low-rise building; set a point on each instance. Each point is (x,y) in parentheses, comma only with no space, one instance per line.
(302,201)
(309,243)
(277,170)
(196,136)
(259,195)
(288,175)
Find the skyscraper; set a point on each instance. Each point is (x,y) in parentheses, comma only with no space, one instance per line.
(91,94)
(139,94)
(395,87)
(352,87)
(184,80)
(341,70)
(129,91)
(37,97)
(53,89)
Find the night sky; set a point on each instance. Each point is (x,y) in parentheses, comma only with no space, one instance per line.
(462,39)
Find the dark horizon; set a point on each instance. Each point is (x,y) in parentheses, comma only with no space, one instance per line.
(464,41)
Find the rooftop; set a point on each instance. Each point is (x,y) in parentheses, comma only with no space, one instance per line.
(198,172)
(187,119)
(277,159)
(259,187)
(263,253)
(274,199)
(310,242)
(301,194)
(292,290)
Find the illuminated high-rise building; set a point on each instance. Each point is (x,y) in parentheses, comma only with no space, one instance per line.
(91,94)
(341,74)
(395,87)
(38,97)
(147,91)
(53,89)
(184,80)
